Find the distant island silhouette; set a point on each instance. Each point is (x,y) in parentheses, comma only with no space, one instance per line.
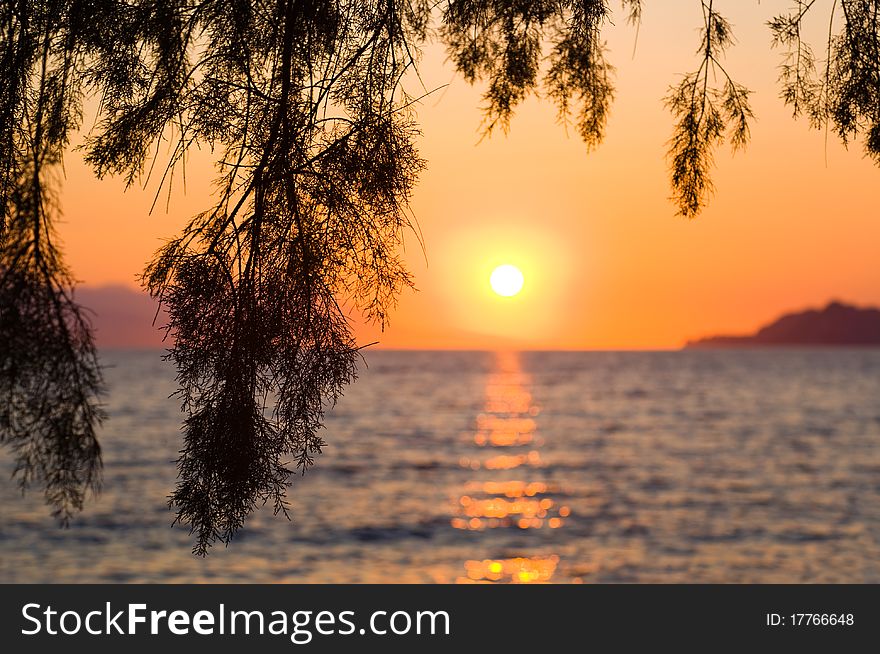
(123,316)
(836,324)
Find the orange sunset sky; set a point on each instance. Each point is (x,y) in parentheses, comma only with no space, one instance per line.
(607,263)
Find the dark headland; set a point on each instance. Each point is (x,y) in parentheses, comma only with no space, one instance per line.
(836,324)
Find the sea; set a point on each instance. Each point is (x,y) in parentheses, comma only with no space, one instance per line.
(733,466)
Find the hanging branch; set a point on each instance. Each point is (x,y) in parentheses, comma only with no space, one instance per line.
(50,379)
(705,116)
(316,177)
(501,42)
(841,91)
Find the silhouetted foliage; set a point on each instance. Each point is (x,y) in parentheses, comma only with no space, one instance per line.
(305,103)
(502,42)
(50,380)
(318,165)
(842,90)
(705,114)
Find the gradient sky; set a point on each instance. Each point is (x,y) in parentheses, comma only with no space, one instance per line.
(607,263)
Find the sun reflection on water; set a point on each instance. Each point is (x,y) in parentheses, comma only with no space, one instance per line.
(519,570)
(507,437)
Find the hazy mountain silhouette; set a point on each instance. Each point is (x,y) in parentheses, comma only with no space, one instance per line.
(122,316)
(836,324)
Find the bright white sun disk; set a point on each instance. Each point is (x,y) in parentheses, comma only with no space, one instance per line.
(506,280)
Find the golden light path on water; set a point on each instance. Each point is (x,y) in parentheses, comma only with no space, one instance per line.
(506,440)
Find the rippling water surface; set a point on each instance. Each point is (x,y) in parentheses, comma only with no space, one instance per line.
(727,466)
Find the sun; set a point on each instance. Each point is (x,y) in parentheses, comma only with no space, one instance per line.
(506,280)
